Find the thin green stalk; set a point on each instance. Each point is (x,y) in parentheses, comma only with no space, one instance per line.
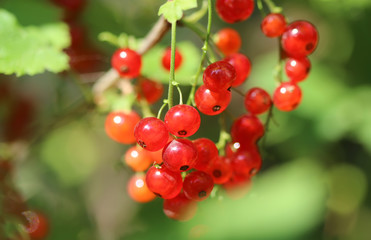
(180,92)
(162,108)
(224,135)
(204,49)
(170,96)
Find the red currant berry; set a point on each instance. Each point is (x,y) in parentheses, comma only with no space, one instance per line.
(150,90)
(287,96)
(180,208)
(120,126)
(198,185)
(163,182)
(221,170)
(151,134)
(237,186)
(138,159)
(228,41)
(257,101)
(211,103)
(219,76)
(138,189)
(182,120)
(70,5)
(38,224)
(297,69)
(273,25)
(232,148)
(246,130)
(207,154)
(232,11)
(299,39)
(246,163)
(242,65)
(179,155)
(127,62)
(166,59)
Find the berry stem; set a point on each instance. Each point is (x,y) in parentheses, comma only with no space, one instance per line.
(224,136)
(273,8)
(278,69)
(176,84)
(238,91)
(162,108)
(172,66)
(146,110)
(204,52)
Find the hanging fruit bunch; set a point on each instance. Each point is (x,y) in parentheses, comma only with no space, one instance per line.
(167,160)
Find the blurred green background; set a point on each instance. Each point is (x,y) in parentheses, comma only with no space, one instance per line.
(315,180)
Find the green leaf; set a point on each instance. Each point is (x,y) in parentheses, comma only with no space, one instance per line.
(173,10)
(31,50)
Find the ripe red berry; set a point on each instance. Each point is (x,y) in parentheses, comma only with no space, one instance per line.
(246,163)
(182,120)
(242,65)
(211,103)
(127,62)
(299,39)
(207,154)
(138,190)
(180,208)
(219,76)
(228,41)
(38,224)
(221,170)
(151,134)
(246,130)
(138,159)
(120,126)
(166,59)
(163,182)
(273,25)
(297,69)
(150,90)
(179,155)
(232,11)
(198,185)
(287,96)
(257,101)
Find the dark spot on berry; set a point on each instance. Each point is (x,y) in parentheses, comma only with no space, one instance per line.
(184,167)
(253,171)
(124,69)
(182,132)
(229,89)
(216,108)
(201,194)
(217,173)
(309,46)
(307,70)
(158,195)
(142,144)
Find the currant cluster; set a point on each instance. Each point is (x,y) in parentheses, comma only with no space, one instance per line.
(182,171)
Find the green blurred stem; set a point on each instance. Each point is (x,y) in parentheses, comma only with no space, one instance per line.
(162,108)
(279,68)
(273,8)
(170,96)
(176,84)
(238,91)
(224,135)
(204,52)
(146,110)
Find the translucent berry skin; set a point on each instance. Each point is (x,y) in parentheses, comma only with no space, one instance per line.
(299,39)
(120,126)
(257,101)
(207,154)
(151,91)
(198,185)
(221,170)
(182,120)
(228,41)
(156,156)
(151,134)
(163,182)
(273,25)
(246,130)
(246,163)
(126,62)
(287,96)
(232,11)
(242,65)
(179,155)
(38,225)
(180,208)
(138,190)
(166,59)
(211,103)
(138,159)
(219,76)
(297,69)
